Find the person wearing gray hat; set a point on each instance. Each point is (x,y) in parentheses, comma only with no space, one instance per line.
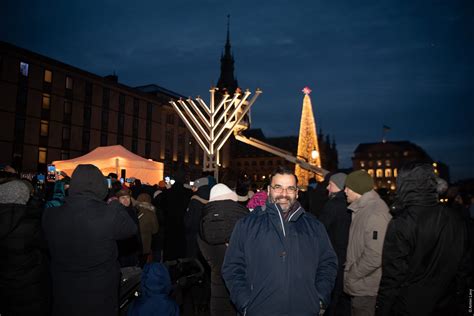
(363,267)
(337,219)
(24,283)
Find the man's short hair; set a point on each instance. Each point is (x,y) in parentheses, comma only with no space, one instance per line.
(283,170)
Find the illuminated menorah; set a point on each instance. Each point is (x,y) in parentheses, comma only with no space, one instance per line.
(211,126)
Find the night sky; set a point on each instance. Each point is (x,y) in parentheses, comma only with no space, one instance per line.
(405,64)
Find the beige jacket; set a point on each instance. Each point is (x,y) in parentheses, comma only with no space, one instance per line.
(363,267)
(148,224)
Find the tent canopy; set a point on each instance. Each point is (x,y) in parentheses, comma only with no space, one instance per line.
(114,158)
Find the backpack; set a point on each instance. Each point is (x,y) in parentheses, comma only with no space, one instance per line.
(218,221)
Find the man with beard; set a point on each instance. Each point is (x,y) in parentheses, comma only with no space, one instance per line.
(279,260)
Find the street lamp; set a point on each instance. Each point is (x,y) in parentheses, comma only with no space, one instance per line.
(314,154)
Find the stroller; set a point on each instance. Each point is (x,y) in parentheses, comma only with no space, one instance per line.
(185,273)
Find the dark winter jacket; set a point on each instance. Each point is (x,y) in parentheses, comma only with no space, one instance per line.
(337,219)
(154,298)
(174,203)
(422,261)
(214,255)
(425,261)
(24,271)
(192,219)
(317,198)
(82,238)
(276,267)
(131,248)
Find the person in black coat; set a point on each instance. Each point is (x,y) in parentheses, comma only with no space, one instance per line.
(337,219)
(316,198)
(24,275)
(224,200)
(425,264)
(192,217)
(82,238)
(173,205)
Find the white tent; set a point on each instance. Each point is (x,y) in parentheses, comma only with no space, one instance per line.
(113,159)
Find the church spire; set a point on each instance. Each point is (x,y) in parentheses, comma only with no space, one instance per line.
(227,81)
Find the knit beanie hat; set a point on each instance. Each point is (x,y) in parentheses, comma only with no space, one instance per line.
(359,181)
(221,192)
(338,179)
(14,192)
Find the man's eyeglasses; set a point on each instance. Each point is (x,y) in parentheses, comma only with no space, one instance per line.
(278,189)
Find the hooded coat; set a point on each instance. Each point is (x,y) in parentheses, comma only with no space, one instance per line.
(154,297)
(275,267)
(24,277)
(82,238)
(425,261)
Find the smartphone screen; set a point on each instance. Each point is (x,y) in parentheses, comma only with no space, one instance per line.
(40,178)
(109,183)
(51,175)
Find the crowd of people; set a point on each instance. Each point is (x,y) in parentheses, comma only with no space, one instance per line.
(338,248)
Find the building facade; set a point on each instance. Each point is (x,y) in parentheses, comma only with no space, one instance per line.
(54,111)
(383,160)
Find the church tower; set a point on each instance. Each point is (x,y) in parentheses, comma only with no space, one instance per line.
(308,147)
(227,81)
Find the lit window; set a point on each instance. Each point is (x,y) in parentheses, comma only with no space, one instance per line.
(379,173)
(67,106)
(371,172)
(387,163)
(46,101)
(395,172)
(362,164)
(44,128)
(379,163)
(42,155)
(405,153)
(48,76)
(24,69)
(388,173)
(68,82)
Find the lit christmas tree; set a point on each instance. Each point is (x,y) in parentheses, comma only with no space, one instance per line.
(308,148)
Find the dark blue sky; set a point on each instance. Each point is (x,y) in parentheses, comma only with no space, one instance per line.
(405,64)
